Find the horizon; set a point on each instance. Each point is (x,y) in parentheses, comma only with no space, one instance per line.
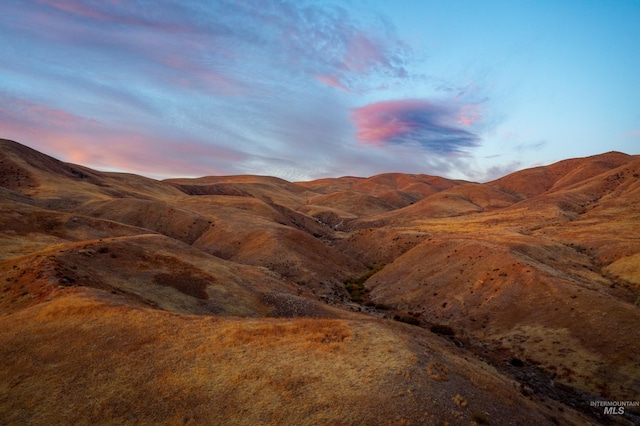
(311,90)
(177,177)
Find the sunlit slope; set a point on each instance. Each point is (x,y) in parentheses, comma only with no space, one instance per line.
(552,279)
(88,358)
(532,280)
(65,186)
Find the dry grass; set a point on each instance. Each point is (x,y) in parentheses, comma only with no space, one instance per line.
(303,334)
(572,362)
(437,371)
(459,401)
(78,361)
(500,275)
(626,268)
(91,358)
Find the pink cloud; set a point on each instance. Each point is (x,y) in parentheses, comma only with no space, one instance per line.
(469,114)
(21,114)
(325,41)
(363,54)
(80,8)
(286,37)
(185,71)
(332,81)
(150,155)
(153,155)
(382,121)
(115,11)
(378,122)
(412,121)
(177,74)
(80,140)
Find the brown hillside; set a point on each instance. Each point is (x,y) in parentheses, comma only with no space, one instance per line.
(331,185)
(159,216)
(558,264)
(456,201)
(390,190)
(350,202)
(88,357)
(253,300)
(65,186)
(269,189)
(535,181)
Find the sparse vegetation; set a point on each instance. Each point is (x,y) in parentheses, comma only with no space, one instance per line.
(177,321)
(460,401)
(579,248)
(355,286)
(437,371)
(185,283)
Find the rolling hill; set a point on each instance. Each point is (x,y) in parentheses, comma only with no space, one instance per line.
(393,299)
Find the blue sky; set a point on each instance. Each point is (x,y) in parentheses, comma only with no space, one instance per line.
(302,90)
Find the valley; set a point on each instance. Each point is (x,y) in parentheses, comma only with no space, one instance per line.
(393,299)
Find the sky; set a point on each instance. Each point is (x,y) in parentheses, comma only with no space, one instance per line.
(309,89)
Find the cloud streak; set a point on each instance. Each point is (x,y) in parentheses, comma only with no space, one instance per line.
(231,86)
(300,38)
(86,141)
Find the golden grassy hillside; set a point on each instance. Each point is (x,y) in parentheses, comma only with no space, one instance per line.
(89,357)
(394,299)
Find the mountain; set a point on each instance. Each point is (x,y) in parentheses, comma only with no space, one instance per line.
(393,299)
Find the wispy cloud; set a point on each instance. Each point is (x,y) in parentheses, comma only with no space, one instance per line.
(533,146)
(20,114)
(221,37)
(434,127)
(231,86)
(469,114)
(77,139)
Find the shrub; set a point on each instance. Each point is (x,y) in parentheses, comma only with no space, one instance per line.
(355,286)
(480,418)
(516,362)
(408,319)
(443,330)
(459,401)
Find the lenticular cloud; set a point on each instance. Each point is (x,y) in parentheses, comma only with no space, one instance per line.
(432,126)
